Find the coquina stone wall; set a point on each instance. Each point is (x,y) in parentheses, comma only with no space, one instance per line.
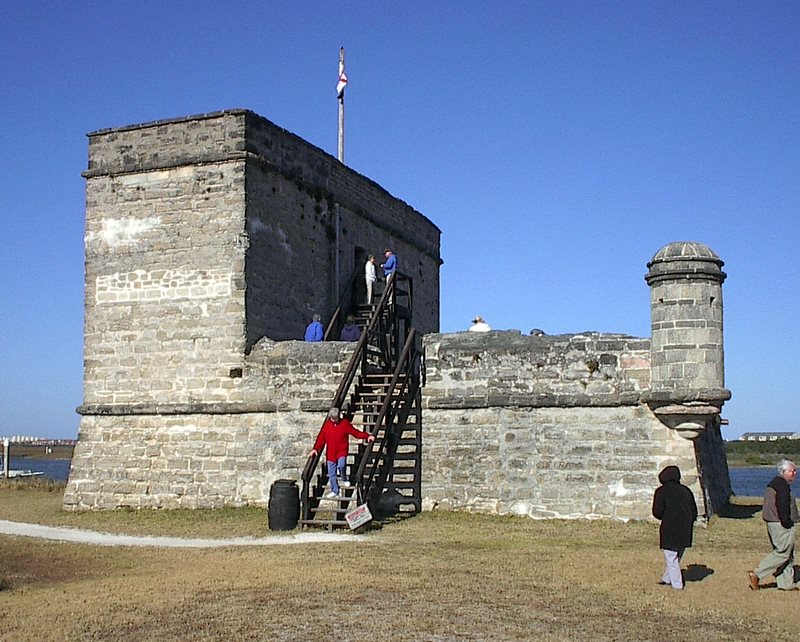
(311,224)
(210,240)
(209,455)
(535,425)
(544,426)
(204,235)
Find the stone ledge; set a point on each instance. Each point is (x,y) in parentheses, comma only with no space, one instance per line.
(683,395)
(315,405)
(199,408)
(532,401)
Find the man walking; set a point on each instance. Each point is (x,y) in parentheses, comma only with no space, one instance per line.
(780,514)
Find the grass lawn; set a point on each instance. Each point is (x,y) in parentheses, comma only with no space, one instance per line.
(437,576)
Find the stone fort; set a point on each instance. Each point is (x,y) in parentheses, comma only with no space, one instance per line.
(211,240)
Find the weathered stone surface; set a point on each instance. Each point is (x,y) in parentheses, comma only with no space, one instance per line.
(573,440)
(205,234)
(210,240)
(474,370)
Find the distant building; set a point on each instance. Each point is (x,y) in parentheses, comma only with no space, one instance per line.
(769,436)
(28,440)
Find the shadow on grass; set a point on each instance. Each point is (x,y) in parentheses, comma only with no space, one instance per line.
(386,518)
(774,584)
(740,511)
(697,573)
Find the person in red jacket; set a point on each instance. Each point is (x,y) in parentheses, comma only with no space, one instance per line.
(335,437)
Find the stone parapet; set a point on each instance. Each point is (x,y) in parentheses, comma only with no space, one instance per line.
(478,370)
(211,138)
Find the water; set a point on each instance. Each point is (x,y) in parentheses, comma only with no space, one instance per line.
(751,481)
(55,469)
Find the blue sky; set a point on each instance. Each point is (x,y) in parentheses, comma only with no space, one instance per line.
(558,145)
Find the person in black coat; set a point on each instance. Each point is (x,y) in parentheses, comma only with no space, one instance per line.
(674,505)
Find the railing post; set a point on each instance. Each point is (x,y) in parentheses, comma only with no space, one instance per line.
(6,460)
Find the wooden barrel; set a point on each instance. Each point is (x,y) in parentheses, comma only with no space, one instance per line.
(283,510)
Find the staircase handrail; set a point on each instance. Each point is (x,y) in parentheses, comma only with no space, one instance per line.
(407,356)
(360,353)
(358,358)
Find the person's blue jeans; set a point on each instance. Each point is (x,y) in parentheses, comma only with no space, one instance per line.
(336,469)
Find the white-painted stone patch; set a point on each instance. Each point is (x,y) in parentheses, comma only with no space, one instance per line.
(123,231)
(162,285)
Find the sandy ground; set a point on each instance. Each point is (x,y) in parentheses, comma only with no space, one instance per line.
(107,539)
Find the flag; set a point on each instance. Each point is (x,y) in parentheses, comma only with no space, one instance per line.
(342,80)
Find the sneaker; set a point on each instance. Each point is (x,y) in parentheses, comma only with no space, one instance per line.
(344,483)
(331,495)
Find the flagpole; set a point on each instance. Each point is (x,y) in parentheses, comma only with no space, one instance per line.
(341,105)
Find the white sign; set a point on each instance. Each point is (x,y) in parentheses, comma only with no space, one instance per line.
(359,516)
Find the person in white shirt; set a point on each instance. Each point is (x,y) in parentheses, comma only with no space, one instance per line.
(369,276)
(479,325)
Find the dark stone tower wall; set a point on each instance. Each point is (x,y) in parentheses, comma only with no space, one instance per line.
(308,218)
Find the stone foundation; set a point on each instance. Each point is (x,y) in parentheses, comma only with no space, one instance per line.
(549,427)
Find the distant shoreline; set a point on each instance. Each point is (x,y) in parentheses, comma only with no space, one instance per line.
(744,464)
(27,451)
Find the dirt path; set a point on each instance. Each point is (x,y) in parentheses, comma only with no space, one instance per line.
(108,539)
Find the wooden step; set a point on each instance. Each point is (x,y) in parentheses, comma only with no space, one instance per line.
(402,457)
(321,509)
(405,485)
(373,393)
(330,524)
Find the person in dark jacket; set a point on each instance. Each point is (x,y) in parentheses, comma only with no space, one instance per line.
(674,505)
(780,514)
(350,331)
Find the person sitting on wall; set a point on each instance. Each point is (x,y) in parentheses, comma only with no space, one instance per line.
(479,325)
(314,331)
(334,436)
(390,266)
(350,331)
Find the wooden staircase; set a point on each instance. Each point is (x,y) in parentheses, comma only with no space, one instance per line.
(380,394)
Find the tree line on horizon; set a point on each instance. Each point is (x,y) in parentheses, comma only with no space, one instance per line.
(761,453)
